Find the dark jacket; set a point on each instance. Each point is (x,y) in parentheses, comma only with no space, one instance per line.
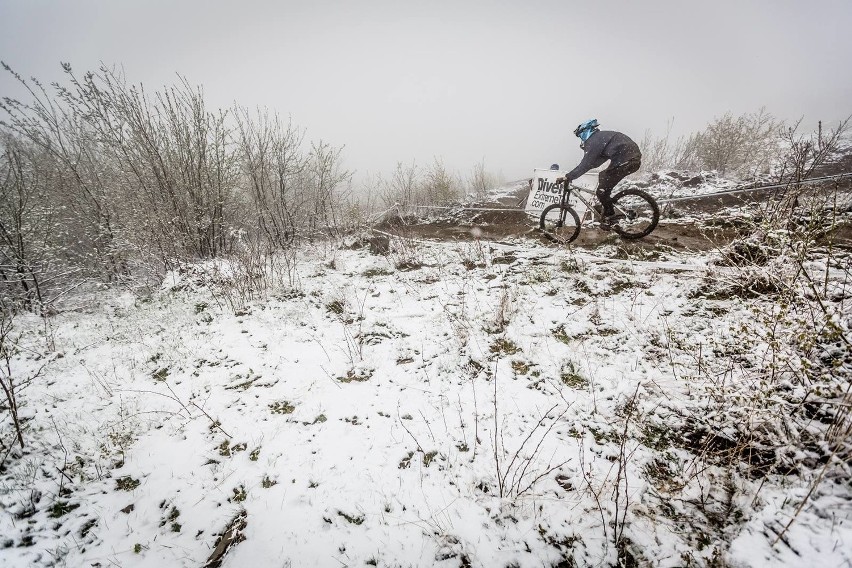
(606,145)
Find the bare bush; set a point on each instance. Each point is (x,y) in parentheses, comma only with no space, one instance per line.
(176,166)
(796,393)
(12,382)
(480,181)
(746,146)
(518,472)
(322,183)
(81,180)
(7,379)
(126,179)
(402,186)
(439,185)
(805,155)
(663,152)
(272,163)
(405,253)
(25,226)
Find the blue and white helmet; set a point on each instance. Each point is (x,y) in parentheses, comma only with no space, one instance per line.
(586,129)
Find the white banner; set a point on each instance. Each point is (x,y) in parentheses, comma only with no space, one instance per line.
(544,190)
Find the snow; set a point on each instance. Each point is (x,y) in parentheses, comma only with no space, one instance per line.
(356,420)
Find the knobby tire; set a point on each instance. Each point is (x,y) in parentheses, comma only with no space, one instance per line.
(554,228)
(637,202)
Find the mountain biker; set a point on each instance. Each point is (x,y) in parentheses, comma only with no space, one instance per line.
(598,147)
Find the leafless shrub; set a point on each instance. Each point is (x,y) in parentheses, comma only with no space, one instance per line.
(505,310)
(405,253)
(12,383)
(25,227)
(348,310)
(272,164)
(747,146)
(242,277)
(125,176)
(806,154)
(323,178)
(458,314)
(480,181)
(80,180)
(615,510)
(403,185)
(794,359)
(474,254)
(439,185)
(517,472)
(663,152)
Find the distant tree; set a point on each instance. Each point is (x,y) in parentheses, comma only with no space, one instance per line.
(480,181)
(84,178)
(439,186)
(25,224)
(272,163)
(402,186)
(745,146)
(327,184)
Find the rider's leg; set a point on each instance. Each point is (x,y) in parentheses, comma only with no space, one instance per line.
(608,179)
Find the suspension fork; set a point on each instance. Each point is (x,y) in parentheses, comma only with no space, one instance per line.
(563,204)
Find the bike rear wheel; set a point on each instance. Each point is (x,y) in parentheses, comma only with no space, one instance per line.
(559,224)
(638,212)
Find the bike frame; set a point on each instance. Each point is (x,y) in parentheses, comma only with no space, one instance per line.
(578,191)
(630,213)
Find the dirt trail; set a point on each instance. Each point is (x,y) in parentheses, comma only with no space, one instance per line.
(681,233)
(496,225)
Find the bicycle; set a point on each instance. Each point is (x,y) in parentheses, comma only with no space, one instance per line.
(636,215)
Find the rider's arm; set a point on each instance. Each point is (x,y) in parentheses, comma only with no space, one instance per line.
(592,158)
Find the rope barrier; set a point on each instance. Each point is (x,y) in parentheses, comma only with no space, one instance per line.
(462,208)
(375,218)
(759,188)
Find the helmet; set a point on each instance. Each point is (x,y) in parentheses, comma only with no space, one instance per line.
(586,129)
(554,166)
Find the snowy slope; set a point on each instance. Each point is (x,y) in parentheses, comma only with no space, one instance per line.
(495,405)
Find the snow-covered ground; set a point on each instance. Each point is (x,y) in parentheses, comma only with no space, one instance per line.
(472,404)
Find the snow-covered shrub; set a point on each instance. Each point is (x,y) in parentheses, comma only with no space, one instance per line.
(742,146)
(789,412)
(405,253)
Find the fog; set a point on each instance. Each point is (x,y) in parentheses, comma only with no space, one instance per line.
(461,81)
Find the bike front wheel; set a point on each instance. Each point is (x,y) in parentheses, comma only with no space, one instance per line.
(638,214)
(559,224)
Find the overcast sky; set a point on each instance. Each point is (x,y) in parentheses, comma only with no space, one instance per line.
(462,80)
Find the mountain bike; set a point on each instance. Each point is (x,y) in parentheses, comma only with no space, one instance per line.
(636,215)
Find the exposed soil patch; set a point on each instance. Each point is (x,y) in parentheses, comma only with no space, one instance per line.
(678,228)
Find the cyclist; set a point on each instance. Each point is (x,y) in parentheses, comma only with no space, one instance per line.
(598,147)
